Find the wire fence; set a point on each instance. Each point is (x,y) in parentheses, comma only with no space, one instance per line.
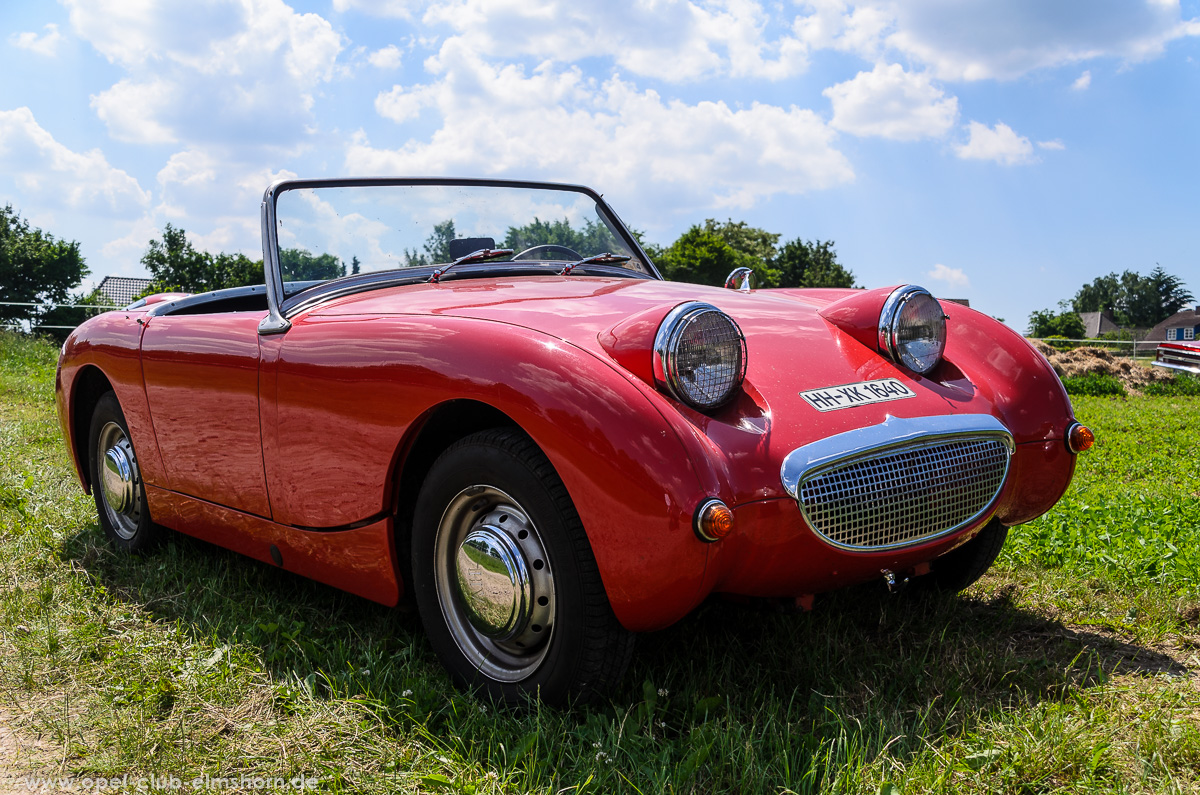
(1141,347)
(28,324)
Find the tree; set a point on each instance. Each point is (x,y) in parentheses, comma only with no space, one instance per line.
(1155,298)
(593,238)
(749,240)
(34,268)
(701,257)
(299,265)
(175,265)
(810,264)
(437,246)
(1134,300)
(706,254)
(1065,323)
(1102,295)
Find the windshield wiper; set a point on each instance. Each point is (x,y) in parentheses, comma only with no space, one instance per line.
(605,257)
(474,256)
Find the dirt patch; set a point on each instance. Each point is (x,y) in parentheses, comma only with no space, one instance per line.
(1082,361)
(21,758)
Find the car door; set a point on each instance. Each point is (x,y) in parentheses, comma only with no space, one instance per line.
(201,376)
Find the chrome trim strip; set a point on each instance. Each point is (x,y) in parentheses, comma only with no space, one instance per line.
(274,322)
(1185,368)
(893,432)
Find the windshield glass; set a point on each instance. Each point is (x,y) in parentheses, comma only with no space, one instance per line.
(330,232)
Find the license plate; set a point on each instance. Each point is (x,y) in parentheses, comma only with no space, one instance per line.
(863,393)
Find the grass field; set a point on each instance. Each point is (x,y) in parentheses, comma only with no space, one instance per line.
(1072,667)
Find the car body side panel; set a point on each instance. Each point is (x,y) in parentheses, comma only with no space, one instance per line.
(201,374)
(361,561)
(110,342)
(348,389)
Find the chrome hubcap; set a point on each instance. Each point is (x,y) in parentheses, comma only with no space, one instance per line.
(119,480)
(116,477)
(494,583)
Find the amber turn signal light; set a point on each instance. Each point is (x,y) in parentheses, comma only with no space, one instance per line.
(714,520)
(1079,437)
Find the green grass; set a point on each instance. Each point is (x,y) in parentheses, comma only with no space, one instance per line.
(1093,385)
(1070,668)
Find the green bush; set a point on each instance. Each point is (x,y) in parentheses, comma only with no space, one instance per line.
(1179,386)
(1093,384)
(1059,343)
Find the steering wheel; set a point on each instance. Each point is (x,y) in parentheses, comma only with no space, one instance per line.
(548,247)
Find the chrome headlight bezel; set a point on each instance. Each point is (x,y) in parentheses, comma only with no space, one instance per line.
(890,321)
(667,371)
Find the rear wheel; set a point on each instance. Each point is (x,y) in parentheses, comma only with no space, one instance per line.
(117,480)
(504,577)
(960,568)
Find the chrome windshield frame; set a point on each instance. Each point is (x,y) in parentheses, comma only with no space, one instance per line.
(275,322)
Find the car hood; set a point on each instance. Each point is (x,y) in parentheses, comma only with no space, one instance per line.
(791,348)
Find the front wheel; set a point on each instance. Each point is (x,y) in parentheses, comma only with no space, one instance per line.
(504,577)
(961,567)
(117,480)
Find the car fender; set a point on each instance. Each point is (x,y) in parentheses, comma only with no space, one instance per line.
(366,382)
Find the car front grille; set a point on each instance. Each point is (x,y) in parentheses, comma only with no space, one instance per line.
(904,495)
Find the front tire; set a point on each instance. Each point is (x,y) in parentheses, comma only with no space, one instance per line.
(116,480)
(504,577)
(962,567)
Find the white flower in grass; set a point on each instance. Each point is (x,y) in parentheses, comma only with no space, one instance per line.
(406,694)
(663,692)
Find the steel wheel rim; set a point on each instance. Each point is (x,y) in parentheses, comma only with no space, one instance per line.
(505,650)
(118,480)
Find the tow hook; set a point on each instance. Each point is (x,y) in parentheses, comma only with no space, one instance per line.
(894,585)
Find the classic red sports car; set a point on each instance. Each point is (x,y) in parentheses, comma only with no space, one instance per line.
(482,393)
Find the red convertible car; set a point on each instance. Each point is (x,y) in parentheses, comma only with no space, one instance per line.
(481,394)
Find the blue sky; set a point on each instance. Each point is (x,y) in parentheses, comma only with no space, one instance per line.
(1003,152)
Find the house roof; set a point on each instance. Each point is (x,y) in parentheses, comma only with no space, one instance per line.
(121,290)
(1188,317)
(1097,323)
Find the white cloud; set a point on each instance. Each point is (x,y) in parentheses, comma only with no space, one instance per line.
(983,39)
(997,143)
(952,277)
(210,70)
(563,126)
(891,103)
(51,175)
(46,44)
(386,58)
(1056,144)
(1083,81)
(130,110)
(671,40)
(398,9)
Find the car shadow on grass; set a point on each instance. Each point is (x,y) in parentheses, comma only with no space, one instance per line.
(875,665)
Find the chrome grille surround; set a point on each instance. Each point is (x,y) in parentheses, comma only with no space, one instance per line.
(900,483)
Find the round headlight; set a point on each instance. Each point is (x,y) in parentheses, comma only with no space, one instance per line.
(912,329)
(699,355)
